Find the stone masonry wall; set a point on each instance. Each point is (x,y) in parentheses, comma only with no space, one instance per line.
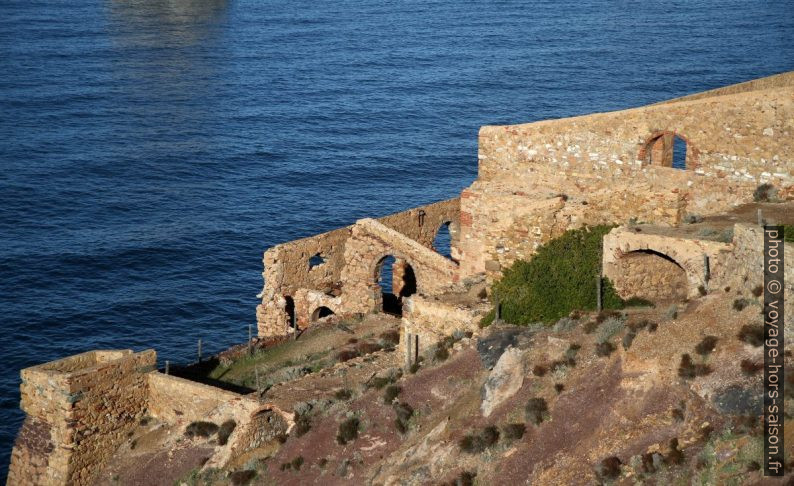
(747,270)
(687,253)
(537,180)
(369,244)
(79,410)
(287,272)
(649,276)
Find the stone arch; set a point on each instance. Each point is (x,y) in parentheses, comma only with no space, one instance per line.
(403,282)
(321,312)
(445,238)
(656,269)
(662,148)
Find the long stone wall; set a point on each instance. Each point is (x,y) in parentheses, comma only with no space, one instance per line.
(79,410)
(537,180)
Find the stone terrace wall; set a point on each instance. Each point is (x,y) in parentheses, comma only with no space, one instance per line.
(173,399)
(79,410)
(287,272)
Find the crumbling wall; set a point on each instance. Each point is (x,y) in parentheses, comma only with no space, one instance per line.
(422,223)
(649,276)
(288,274)
(368,245)
(79,410)
(174,400)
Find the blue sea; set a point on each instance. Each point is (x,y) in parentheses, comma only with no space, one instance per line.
(151,150)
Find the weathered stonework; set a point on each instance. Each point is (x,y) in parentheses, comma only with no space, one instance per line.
(646,265)
(78,411)
(535,182)
(345,282)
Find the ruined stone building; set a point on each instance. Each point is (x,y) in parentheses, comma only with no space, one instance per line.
(703,155)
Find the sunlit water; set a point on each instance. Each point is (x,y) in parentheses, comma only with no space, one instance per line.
(152,149)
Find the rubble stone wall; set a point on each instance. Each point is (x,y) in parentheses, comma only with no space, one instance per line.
(288,274)
(370,243)
(79,409)
(540,179)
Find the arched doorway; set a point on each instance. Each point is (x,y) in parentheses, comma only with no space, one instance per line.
(396,280)
(650,275)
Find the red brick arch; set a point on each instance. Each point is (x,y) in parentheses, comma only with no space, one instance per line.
(657,141)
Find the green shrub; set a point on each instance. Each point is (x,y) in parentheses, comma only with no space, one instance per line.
(608,469)
(604,349)
(241,478)
(514,431)
(740,304)
(200,429)
(610,328)
(225,431)
(441,354)
(343,394)
(537,410)
(477,443)
(559,387)
(297,463)
(302,425)
(391,393)
(751,368)
(765,193)
(348,431)
(560,278)
(688,369)
(539,370)
(788,233)
(391,337)
(707,345)
(404,413)
(414,368)
(752,334)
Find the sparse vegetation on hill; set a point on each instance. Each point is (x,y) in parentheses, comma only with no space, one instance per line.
(560,277)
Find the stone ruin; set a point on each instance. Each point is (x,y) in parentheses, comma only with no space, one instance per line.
(649,167)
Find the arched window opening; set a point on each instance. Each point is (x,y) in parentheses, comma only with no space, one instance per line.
(443,240)
(321,312)
(667,150)
(397,280)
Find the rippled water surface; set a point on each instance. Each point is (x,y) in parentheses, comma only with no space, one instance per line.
(152,149)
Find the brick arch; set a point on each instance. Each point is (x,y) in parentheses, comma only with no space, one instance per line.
(658,141)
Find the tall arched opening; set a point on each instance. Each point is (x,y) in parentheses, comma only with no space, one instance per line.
(396,280)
